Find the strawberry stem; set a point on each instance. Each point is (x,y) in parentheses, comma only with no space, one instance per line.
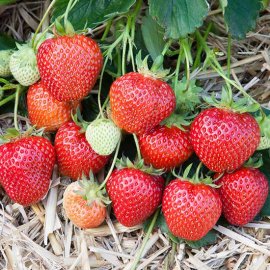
(178,63)
(200,46)
(69,7)
(99,88)
(197,174)
(107,30)
(229,56)
(166,47)
(149,231)
(112,166)
(17,95)
(41,22)
(137,146)
(186,50)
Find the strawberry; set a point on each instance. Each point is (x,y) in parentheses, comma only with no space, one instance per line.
(26,166)
(45,111)
(135,195)
(190,209)
(69,66)
(164,147)
(23,65)
(139,102)
(74,154)
(103,136)
(4,63)
(83,203)
(223,139)
(243,194)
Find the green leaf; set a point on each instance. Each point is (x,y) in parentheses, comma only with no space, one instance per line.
(6,2)
(89,13)
(153,35)
(265,3)
(178,17)
(7,42)
(240,16)
(209,239)
(265,169)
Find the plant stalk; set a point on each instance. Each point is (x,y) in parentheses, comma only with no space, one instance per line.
(149,231)
(41,22)
(17,95)
(137,146)
(112,166)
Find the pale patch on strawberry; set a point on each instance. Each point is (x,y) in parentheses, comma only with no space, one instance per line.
(4,63)
(103,136)
(23,65)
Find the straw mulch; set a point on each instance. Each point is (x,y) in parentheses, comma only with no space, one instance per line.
(41,237)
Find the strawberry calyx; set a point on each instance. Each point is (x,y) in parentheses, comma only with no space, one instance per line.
(182,121)
(187,95)
(66,30)
(226,101)
(91,191)
(196,178)
(125,162)
(12,134)
(78,120)
(254,162)
(156,71)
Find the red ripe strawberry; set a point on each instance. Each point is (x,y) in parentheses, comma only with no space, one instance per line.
(26,166)
(139,102)
(74,154)
(243,194)
(45,111)
(135,195)
(69,66)
(223,139)
(164,147)
(190,210)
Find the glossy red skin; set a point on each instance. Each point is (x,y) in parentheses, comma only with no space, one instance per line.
(74,154)
(135,195)
(243,194)
(25,169)
(69,66)
(139,102)
(165,148)
(190,210)
(224,140)
(45,111)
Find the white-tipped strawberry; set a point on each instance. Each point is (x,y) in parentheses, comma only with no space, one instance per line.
(23,65)
(103,136)
(4,63)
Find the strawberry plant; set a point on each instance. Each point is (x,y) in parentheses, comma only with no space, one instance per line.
(114,90)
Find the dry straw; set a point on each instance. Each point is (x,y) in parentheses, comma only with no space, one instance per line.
(40,237)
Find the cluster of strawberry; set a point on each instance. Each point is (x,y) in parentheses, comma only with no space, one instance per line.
(140,103)
(222,139)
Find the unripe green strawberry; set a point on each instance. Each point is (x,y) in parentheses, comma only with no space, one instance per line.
(103,136)
(4,63)
(23,65)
